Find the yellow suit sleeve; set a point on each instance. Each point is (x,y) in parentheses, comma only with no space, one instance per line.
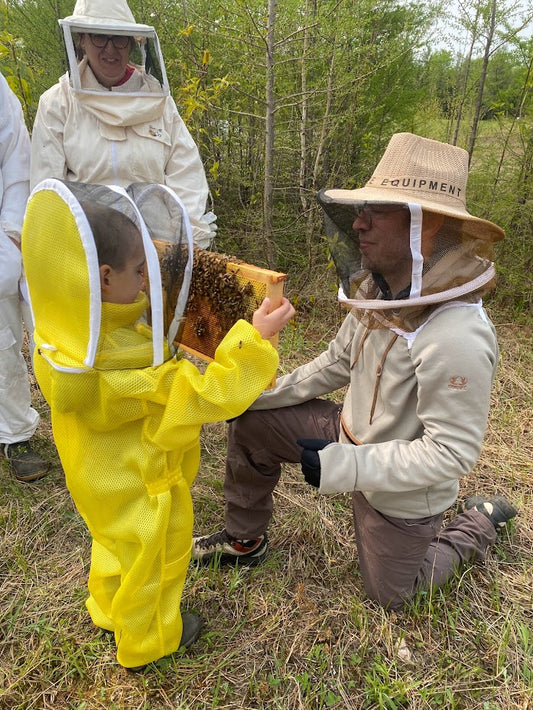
(243,367)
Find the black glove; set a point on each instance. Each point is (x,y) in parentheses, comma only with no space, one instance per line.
(310,460)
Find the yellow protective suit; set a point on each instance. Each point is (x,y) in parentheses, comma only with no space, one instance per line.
(127,432)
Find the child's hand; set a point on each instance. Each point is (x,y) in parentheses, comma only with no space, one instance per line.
(268,324)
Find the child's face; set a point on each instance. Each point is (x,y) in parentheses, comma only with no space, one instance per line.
(124,285)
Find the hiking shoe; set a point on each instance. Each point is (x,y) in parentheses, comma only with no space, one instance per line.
(497,509)
(192,625)
(25,463)
(229,550)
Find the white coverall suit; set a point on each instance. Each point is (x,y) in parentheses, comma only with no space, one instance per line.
(131,133)
(18,419)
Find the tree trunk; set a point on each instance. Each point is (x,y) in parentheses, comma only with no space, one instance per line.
(302,186)
(481,87)
(268,198)
(317,165)
(466,75)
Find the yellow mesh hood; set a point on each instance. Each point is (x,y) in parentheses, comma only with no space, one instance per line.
(73,328)
(62,273)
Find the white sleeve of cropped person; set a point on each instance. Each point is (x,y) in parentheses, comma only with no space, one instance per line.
(210,219)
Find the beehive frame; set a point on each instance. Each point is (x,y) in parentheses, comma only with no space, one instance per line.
(222,291)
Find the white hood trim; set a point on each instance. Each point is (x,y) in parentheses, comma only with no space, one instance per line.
(154,278)
(179,311)
(86,236)
(415,240)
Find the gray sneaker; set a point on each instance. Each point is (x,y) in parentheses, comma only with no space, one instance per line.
(229,550)
(497,509)
(25,463)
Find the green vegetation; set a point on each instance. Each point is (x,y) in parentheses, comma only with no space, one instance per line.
(298,633)
(342,81)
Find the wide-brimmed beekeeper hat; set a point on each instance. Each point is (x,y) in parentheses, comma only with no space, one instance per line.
(114,15)
(424,175)
(421,171)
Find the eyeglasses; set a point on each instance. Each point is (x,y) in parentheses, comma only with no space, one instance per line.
(118,41)
(369,213)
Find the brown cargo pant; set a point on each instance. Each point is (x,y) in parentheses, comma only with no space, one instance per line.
(397,557)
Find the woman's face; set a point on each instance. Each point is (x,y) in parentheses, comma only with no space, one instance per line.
(109,62)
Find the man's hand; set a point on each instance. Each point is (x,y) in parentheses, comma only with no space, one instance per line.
(310,460)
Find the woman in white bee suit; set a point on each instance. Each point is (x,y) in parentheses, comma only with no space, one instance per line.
(111,119)
(126,410)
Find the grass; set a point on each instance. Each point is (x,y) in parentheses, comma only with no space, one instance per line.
(297,632)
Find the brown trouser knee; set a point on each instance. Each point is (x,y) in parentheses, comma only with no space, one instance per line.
(397,556)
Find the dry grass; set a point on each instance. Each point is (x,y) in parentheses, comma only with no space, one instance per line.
(297,632)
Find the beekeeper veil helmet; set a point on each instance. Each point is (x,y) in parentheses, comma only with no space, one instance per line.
(99,23)
(425,177)
(75,321)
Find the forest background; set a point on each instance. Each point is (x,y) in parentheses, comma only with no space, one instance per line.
(284,100)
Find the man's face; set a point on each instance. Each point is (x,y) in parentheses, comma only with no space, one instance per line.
(384,242)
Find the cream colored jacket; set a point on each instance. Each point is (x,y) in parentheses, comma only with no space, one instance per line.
(111,139)
(416,408)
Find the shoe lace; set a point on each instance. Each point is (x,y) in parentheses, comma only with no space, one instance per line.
(218,538)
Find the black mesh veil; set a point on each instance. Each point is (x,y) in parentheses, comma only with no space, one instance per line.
(168,225)
(453,264)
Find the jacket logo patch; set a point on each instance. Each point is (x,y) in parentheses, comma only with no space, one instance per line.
(458,382)
(156,132)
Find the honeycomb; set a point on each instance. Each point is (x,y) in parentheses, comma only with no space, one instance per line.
(223,290)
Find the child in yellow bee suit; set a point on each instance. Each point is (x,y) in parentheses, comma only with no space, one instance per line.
(127,431)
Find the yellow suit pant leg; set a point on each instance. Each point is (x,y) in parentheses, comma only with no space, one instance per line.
(147,605)
(104,581)
(150,539)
